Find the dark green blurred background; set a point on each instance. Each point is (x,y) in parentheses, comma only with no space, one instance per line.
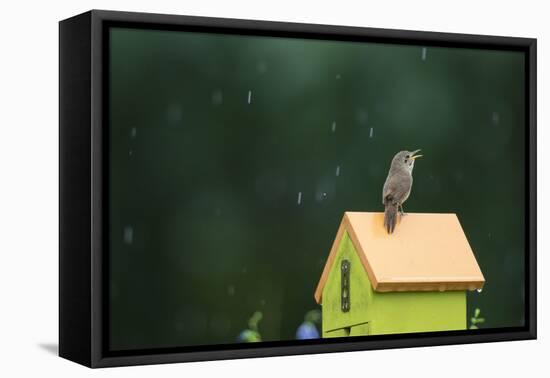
(233,159)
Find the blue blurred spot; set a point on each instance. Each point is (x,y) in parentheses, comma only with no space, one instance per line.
(307,331)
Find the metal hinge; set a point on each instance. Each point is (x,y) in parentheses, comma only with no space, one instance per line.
(345,270)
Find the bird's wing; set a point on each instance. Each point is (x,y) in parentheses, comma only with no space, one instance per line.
(396,187)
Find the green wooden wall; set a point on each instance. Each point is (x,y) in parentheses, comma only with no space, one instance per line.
(374,313)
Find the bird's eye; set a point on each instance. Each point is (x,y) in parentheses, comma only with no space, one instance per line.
(408,156)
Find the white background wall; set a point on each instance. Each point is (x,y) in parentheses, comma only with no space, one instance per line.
(29,186)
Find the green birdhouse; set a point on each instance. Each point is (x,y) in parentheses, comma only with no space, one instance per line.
(414,280)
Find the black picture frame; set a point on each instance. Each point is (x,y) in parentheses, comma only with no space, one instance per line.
(83,167)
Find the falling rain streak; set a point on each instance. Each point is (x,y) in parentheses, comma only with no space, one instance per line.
(495,117)
(261,67)
(299,198)
(337,171)
(217,97)
(333,127)
(249,96)
(424,50)
(371,132)
(128,235)
(231,290)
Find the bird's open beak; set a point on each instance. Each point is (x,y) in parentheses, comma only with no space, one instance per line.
(414,156)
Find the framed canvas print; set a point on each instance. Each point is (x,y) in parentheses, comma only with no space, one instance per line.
(234,188)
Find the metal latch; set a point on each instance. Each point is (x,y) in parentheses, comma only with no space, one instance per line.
(345,271)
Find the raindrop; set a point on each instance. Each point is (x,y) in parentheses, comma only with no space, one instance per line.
(338,77)
(362,116)
(495,117)
(424,51)
(479,290)
(174,113)
(371,132)
(133,132)
(320,196)
(231,290)
(325,189)
(130,153)
(333,126)
(261,67)
(337,171)
(128,235)
(217,97)
(263,302)
(249,96)
(299,198)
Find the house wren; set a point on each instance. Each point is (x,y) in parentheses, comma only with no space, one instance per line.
(397,186)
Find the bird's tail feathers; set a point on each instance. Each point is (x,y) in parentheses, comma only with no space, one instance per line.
(390,217)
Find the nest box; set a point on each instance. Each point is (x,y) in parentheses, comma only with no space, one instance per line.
(414,280)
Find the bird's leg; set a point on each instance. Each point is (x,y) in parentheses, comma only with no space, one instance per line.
(401,210)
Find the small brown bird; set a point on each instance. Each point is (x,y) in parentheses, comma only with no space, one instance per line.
(397,187)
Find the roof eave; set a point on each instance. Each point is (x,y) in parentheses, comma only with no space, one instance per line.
(384,287)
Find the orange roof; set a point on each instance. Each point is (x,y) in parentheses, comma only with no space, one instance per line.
(426,252)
